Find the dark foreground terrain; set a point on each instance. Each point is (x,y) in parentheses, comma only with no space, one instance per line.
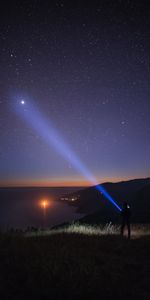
(73,266)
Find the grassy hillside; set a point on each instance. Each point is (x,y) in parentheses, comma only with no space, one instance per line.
(80,262)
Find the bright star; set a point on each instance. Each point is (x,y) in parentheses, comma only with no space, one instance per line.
(22,102)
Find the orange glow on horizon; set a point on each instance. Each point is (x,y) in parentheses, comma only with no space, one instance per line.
(62,183)
(45,183)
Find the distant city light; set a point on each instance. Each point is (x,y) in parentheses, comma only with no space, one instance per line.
(44,203)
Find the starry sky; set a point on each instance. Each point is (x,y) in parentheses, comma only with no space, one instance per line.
(86,69)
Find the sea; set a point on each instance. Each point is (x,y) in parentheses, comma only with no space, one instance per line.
(22,208)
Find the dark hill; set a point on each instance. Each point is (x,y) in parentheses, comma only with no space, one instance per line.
(98,209)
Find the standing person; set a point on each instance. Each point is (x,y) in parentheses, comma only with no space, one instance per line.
(126,214)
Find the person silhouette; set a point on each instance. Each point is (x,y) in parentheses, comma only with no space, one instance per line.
(126,214)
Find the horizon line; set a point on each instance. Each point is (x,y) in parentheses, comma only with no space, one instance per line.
(65,185)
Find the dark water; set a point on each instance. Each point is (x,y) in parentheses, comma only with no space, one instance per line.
(20,207)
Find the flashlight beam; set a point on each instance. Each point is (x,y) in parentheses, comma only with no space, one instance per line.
(33,117)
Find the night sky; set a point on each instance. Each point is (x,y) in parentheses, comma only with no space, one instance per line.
(86,69)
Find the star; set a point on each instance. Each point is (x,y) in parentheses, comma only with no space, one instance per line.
(123,123)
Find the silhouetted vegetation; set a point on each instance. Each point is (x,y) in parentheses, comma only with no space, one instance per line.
(76,262)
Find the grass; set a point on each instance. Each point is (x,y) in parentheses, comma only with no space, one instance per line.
(75,262)
(84,229)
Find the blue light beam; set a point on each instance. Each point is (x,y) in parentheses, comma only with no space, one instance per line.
(44,127)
